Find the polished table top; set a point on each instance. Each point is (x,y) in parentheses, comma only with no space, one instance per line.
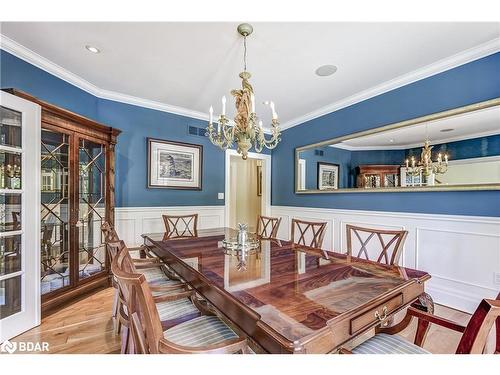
(295,290)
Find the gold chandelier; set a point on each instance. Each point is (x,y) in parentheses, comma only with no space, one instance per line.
(425,165)
(247,130)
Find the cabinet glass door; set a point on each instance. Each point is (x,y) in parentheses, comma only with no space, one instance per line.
(54,240)
(10,212)
(19,288)
(92,207)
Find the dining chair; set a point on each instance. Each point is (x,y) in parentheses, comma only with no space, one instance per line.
(391,243)
(172,301)
(181,226)
(110,235)
(310,234)
(152,270)
(472,341)
(267,228)
(203,334)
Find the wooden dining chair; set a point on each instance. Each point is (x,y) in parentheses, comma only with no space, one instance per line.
(310,234)
(180,226)
(391,243)
(172,301)
(267,228)
(473,340)
(152,270)
(110,235)
(204,334)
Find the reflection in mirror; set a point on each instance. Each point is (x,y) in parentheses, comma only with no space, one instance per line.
(461,149)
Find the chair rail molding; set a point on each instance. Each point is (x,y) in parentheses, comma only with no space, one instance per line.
(461,253)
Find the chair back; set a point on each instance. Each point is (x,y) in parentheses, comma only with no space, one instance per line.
(476,333)
(181,226)
(109,232)
(382,246)
(142,313)
(267,227)
(308,233)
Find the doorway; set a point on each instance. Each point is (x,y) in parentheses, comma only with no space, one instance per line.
(248,188)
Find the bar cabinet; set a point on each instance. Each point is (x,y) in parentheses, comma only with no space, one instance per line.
(77,195)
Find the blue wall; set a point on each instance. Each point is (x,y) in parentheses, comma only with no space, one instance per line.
(466,149)
(137,123)
(131,171)
(470,83)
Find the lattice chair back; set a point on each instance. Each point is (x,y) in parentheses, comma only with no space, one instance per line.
(308,233)
(267,227)
(380,245)
(109,232)
(181,226)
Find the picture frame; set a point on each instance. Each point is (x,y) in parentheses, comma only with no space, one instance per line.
(328,176)
(174,165)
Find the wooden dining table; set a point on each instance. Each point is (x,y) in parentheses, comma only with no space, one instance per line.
(287,298)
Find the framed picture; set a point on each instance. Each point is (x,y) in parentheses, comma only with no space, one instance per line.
(328,176)
(174,165)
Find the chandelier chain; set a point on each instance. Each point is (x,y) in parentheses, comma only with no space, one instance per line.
(245,53)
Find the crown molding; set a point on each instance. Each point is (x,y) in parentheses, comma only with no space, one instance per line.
(440,66)
(41,62)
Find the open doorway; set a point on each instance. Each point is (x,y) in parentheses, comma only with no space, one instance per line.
(248,190)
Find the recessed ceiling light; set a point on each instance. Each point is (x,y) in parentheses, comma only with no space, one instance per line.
(446,130)
(391,140)
(92,49)
(326,70)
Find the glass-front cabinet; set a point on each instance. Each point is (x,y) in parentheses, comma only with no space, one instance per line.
(77,196)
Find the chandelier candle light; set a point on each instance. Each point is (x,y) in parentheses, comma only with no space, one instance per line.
(425,165)
(247,130)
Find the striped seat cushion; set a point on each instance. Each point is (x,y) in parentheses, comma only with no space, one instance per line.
(388,344)
(175,309)
(204,330)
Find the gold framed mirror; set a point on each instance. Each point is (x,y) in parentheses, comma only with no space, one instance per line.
(458,149)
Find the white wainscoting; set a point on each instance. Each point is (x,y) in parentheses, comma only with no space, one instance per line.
(132,222)
(462,253)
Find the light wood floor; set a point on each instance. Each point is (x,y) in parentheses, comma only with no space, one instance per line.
(87,327)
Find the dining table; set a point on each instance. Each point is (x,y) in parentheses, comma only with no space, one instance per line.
(288,298)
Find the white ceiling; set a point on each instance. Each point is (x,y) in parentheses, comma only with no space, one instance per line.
(191,65)
(469,125)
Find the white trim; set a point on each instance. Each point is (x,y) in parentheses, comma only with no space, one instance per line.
(440,66)
(451,62)
(41,62)
(459,252)
(132,222)
(266,189)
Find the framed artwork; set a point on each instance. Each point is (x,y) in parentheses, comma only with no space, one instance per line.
(328,176)
(174,165)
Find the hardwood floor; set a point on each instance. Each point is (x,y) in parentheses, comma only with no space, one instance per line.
(86,327)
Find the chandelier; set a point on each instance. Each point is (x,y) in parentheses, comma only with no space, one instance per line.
(425,165)
(247,130)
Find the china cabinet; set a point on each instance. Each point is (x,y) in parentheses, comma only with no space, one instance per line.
(376,176)
(77,195)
